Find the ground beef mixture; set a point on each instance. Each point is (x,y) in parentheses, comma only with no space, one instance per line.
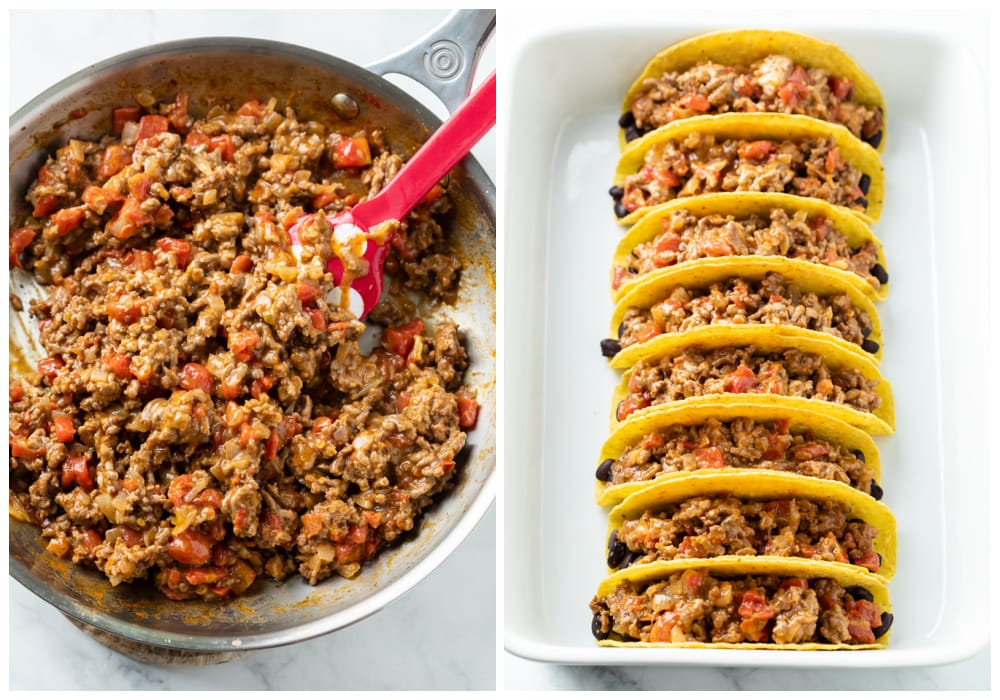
(687,237)
(694,606)
(722,525)
(741,443)
(770,300)
(699,164)
(741,370)
(203,416)
(773,84)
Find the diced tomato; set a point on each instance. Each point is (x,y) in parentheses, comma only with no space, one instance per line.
(693,580)
(308,292)
(840,87)
(321,200)
(132,537)
(432,196)
(630,405)
(180,249)
(242,263)
(740,381)
(242,343)
(792,92)
(653,441)
(665,177)
(195,376)
(45,205)
(128,220)
(178,114)
(122,115)
(794,583)
(634,198)
(19,448)
(669,242)
(663,627)
(696,101)
(76,470)
(68,220)
(351,153)
(223,144)
(16,391)
(20,239)
(404,246)
(709,457)
(870,561)
(194,139)
(686,548)
(99,198)
(717,247)
(399,340)
(834,161)
(150,125)
(799,75)
(647,331)
(754,605)
(468,413)
(113,161)
(229,389)
(125,308)
(139,186)
(252,108)
(62,427)
(139,260)
(49,366)
(809,451)
(91,539)
(317,319)
(260,386)
(190,547)
(755,150)
(199,575)
(775,447)
(619,277)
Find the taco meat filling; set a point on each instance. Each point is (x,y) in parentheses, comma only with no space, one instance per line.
(812,167)
(741,370)
(204,416)
(742,443)
(724,525)
(773,84)
(694,606)
(770,300)
(688,237)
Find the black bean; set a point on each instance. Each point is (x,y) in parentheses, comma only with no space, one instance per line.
(866,332)
(597,627)
(884,627)
(616,192)
(634,271)
(862,201)
(865,182)
(870,346)
(861,593)
(879,273)
(626,120)
(620,211)
(876,491)
(629,558)
(621,326)
(875,140)
(604,470)
(631,133)
(859,454)
(610,347)
(616,550)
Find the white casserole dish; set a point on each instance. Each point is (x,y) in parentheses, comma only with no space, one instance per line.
(564,93)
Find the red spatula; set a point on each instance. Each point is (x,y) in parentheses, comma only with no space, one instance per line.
(351,227)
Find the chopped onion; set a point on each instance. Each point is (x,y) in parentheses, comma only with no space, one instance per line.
(129,133)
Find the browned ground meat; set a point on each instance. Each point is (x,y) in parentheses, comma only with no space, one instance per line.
(741,443)
(715,526)
(770,300)
(694,606)
(743,370)
(699,164)
(688,237)
(204,416)
(772,84)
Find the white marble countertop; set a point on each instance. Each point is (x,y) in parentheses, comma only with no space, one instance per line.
(420,644)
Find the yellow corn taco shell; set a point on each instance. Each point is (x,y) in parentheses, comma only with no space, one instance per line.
(772,127)
(847,577)
(742,205)
(743,47)
(775,339)
(807,276)
(759,485)
(801,420)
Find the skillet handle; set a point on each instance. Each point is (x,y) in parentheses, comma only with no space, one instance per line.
(444,61)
